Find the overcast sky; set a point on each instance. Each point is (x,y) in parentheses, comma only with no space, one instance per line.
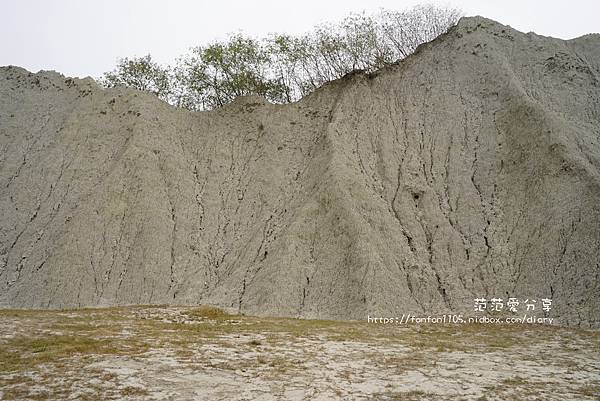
(84,38)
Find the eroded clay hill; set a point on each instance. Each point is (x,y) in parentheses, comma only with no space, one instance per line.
(471,169)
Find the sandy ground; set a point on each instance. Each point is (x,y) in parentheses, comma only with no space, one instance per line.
(156,353)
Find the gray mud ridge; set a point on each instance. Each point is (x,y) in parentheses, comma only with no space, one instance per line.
(470,169)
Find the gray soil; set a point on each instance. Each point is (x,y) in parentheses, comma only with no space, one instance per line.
(470,169)
(174,354)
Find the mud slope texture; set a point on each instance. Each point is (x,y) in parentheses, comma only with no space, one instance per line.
(470,169)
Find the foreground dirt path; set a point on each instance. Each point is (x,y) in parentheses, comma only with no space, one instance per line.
(183,353)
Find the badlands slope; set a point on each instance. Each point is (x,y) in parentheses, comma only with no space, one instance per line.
(470,169)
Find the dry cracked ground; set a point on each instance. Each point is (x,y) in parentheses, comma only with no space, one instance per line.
(203,353)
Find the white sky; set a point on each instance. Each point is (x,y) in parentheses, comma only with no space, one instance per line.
(84,38)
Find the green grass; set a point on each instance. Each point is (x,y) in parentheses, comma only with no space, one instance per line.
(208,312)
(62,339)
(20,353)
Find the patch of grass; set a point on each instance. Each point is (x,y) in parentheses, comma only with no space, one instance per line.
(24,392)
(95,329)
(134,392)
(210,322)
(414,395)
(591,391)
(208,312)
(18,313)
(515,381)
(281,365)
(404,362)
(22,352)
(297,327)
